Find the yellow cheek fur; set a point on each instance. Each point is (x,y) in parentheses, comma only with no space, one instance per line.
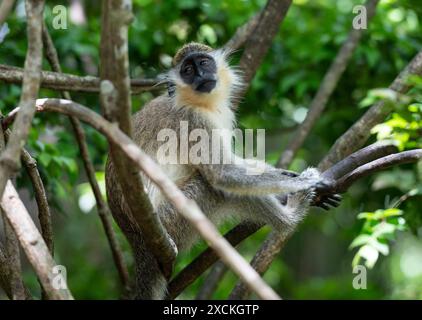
(207,101)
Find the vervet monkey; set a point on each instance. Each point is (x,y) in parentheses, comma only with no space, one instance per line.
(201,90)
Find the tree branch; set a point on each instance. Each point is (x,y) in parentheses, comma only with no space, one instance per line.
(379,164)
(212,281)
(326,88)
(259,41)
(70,82)
(103,210)
(116,104)
(10,157)
(31,241)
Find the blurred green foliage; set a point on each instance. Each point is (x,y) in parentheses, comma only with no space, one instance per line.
(317,262)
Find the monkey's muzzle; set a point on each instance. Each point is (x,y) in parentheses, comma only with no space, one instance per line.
(206,85)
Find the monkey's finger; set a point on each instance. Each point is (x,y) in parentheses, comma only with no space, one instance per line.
(336,197)
(332,202)
(324,206)
(290,174)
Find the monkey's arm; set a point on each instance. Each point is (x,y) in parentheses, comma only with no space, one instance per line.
(244,179)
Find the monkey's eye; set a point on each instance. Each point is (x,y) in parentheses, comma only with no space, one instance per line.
(188,70)
(204,62)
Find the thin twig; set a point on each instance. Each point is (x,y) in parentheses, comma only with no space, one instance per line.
(260,262)
(44,214)
(211,282)
(70,82)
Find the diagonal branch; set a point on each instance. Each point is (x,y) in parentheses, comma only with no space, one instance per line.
(325,90)
(116,105)
(103,210)
(259,41)
(31,242)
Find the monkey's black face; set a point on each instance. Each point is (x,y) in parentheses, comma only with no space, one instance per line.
(199,71)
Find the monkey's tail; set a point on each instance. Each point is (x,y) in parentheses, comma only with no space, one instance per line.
(149,281)
(150,284)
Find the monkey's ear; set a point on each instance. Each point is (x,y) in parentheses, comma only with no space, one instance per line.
(171,88)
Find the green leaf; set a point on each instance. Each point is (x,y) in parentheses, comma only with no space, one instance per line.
(360,240)
(370,254)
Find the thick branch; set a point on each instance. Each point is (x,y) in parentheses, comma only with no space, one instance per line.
(379,164)
(325,90)
(103,210)
(31,242)
(44,214)
(259,41)
(70,82)
(372,152)
(186,207)
(116,104)
(358,134)
(10,157)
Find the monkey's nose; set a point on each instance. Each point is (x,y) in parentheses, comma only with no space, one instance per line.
(206,86)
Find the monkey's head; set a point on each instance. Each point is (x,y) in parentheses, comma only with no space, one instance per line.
(201,76)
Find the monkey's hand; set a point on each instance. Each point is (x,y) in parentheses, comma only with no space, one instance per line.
(325,196)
